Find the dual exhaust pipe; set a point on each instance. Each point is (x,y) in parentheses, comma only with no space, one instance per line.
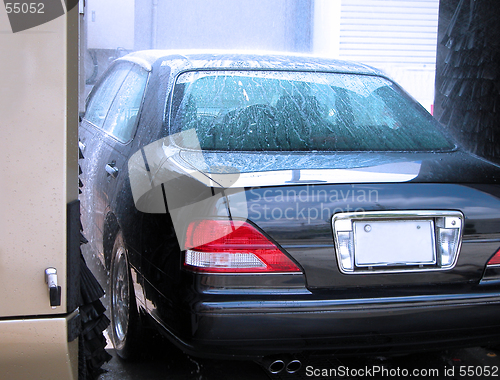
(275,365)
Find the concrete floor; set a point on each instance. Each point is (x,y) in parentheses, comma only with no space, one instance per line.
(450,364)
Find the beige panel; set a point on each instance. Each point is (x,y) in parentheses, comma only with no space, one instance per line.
(33,152)
(37,349)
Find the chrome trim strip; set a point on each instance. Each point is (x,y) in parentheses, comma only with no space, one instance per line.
(347,305)
(481,241)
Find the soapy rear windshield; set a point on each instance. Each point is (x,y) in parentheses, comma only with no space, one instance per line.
(298,111)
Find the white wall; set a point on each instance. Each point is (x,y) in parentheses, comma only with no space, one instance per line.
(110,24)
(326,33)
(389,32)
(229,24)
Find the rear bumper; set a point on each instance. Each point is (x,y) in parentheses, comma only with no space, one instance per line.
(252,329)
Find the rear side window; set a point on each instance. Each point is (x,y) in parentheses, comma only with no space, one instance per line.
(300,111)
(115,105)
(103,95)
(123,113)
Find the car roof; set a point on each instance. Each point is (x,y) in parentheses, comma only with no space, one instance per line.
(180,60)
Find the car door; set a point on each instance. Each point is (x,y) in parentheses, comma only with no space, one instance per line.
(107,130)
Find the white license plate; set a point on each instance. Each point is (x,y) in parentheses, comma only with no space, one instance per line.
(394,243)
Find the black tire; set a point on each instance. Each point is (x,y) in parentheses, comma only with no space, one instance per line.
(124,329)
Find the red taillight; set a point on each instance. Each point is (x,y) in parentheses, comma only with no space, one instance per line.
(495,260)
(222,246)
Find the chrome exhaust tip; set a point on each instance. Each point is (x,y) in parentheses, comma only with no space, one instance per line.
(293,366)
(276,366)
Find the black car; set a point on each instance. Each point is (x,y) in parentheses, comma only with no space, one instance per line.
(259,205)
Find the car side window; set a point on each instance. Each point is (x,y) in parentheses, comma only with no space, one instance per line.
(121,118)
(102,97)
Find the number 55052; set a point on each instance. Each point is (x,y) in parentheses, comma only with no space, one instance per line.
(24,7)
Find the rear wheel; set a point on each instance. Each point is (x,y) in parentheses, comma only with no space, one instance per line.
(125,325)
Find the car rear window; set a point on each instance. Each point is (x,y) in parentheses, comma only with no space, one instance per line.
(298,111)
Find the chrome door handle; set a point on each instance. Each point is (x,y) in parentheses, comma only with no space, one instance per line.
(112,170)
(54,289)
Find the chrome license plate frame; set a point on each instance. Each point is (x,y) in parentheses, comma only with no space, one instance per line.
(433,251)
